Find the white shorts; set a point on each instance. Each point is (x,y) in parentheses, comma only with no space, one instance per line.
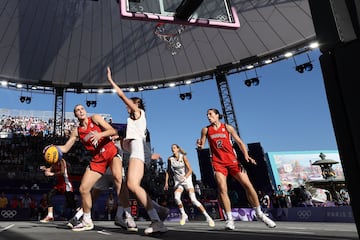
(136,148)
(187,184)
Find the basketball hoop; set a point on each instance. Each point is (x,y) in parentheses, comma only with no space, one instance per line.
(170,34)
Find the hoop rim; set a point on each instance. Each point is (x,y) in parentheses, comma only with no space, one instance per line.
(180,29)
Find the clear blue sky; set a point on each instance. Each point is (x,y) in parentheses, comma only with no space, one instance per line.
(287,111)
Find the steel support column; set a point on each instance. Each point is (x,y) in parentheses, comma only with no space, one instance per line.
(59,113)
(225,99)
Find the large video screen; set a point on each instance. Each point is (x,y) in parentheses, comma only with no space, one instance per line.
(296,167)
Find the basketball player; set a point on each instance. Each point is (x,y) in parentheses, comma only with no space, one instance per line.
(63,186)
(178,163)
(134,143)
(127,221)
(95,134)
(103,184)
(225,161)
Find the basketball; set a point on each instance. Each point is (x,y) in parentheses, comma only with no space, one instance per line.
(52,154)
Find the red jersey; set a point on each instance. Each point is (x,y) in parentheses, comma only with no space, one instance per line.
(63,183)
(221,147)
(85,138)
(103,151)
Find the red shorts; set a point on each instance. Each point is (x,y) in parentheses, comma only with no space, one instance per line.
(101,160)
(233,168)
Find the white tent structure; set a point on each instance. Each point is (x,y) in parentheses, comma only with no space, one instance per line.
(69,43)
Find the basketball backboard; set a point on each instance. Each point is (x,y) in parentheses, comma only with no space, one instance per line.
(214,13)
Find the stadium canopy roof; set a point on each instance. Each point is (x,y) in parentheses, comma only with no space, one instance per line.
(69,43)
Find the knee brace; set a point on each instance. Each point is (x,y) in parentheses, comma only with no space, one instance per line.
(193,199)
(177,197)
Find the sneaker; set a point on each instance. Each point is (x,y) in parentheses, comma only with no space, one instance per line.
(131,225)
(229,225)
(127,224)
(73,222)
(163,213)
(47,219)
(262,217)
(184,218)
(83,226)
(210,222)
(119,221)
(156,227)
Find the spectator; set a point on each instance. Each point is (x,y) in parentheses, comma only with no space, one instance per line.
(4,202)
(344,196)
(43,206)
(197,190)
(110,206)
(35,187)
(329,201)
(281,197)
(26,201)
(234,198)
(305,197)
(33,209)
(11,174)
(15,203)
(264,200)
(290,195)
(274,200)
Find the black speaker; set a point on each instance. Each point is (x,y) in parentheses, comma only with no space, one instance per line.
(335,22)
(259,173)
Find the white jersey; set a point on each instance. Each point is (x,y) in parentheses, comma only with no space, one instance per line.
(136,129)
(178,167)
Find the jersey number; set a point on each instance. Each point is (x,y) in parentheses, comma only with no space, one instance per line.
(219,144)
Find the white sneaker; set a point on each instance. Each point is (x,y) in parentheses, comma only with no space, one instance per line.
(131,225)
(83,226)
(229,225)
(262,217)
(184,218)
(210,222)
(127,224)
(156,227)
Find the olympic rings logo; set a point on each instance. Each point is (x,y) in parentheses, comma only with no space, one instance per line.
(304,214)
(8,213)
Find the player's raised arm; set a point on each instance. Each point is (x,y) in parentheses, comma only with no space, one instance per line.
(134,107)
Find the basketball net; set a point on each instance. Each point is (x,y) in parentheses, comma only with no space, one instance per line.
(170,34)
